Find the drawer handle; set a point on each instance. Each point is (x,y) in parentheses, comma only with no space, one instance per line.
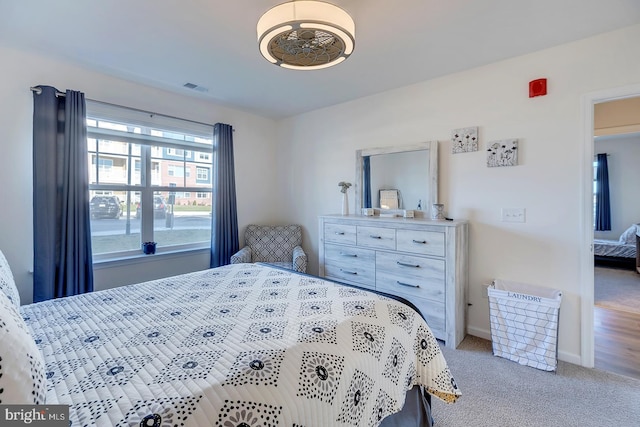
(349,255)
(349,272)
(407,284)
(404,264)
(422,242)
(375,237)
(340,233)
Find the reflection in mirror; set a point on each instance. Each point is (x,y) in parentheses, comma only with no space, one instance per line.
(408,172)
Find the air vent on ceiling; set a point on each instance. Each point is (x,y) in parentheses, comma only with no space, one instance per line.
(196,87)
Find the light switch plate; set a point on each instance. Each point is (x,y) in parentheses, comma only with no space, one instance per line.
(513,215)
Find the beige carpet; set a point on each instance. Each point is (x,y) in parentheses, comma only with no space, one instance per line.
(616,288)
(497,392)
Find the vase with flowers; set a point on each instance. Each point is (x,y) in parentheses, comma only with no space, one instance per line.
(344,186)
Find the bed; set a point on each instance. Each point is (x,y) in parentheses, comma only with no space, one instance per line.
(239,345)
(617,253)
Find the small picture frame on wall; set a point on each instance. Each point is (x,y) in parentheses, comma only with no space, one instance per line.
(464,140)
(502,153)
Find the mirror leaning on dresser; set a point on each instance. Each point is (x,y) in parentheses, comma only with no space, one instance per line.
(421,260)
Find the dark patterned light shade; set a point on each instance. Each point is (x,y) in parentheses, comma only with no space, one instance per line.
(306,35)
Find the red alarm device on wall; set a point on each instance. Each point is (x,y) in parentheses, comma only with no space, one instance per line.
(537,87)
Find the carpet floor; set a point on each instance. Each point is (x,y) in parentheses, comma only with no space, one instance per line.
(497,392)
(616,288)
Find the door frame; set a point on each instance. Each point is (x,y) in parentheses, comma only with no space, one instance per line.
(587,347)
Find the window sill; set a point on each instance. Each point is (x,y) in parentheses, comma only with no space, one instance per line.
(119,260)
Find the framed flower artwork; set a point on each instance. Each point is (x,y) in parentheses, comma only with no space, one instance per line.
(464,140)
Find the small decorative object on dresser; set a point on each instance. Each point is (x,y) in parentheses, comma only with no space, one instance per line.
(368,212)
(345,199)
(420,260)
(437,211)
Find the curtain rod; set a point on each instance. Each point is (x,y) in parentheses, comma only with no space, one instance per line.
(152,113)
(38,90)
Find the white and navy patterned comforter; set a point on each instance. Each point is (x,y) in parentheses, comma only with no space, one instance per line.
(614,248)
(240,345)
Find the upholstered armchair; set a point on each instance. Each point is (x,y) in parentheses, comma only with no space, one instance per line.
(280,245)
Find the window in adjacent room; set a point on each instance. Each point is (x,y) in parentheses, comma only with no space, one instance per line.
(595,191)
(141,185)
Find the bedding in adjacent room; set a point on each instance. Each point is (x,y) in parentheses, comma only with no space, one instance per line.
(624,247)
(614,248)
(245,343)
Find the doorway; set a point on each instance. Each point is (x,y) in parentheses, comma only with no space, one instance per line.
(602,328)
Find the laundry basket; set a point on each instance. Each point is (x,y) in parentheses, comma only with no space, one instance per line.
(524,323)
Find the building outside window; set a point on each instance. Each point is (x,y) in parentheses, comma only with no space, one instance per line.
(139,164)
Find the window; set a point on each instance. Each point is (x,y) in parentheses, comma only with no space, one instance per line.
(172,152)
(176,171)
(202,174)
(595,191)
(103,164)
(145,161)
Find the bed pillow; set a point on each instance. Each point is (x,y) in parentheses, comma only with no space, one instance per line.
(629,235)
(22,369)
(7,284)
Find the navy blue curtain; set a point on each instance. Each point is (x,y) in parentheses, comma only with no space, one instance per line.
(62,260)
(366,184)
(224,216)
(603,206)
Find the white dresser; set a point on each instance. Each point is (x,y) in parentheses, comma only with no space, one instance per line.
(421,260)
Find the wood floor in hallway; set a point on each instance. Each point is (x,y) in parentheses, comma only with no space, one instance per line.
(617,341)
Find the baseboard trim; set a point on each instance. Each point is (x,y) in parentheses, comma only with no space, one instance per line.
(480,333)
(562,355)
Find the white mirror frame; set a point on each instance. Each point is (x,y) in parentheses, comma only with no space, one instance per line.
(432,180)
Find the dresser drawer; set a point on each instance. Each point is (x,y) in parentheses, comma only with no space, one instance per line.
(377,237)
(433,312)
(421,242)
(340,233)
(350,255)
(361,274)
(411,275)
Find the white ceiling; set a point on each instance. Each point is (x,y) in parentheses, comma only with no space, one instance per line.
(212,43)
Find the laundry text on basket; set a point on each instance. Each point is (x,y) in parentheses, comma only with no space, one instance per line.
(524,296)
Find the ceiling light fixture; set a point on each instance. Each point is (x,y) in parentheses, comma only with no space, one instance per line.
(306,35)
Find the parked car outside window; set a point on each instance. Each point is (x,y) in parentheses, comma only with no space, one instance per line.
(159,208)
(105,207)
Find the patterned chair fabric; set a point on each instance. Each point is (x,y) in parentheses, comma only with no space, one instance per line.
(273,244)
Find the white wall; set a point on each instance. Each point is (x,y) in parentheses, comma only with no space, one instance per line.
(547,182)
(624,177)
(254,149)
